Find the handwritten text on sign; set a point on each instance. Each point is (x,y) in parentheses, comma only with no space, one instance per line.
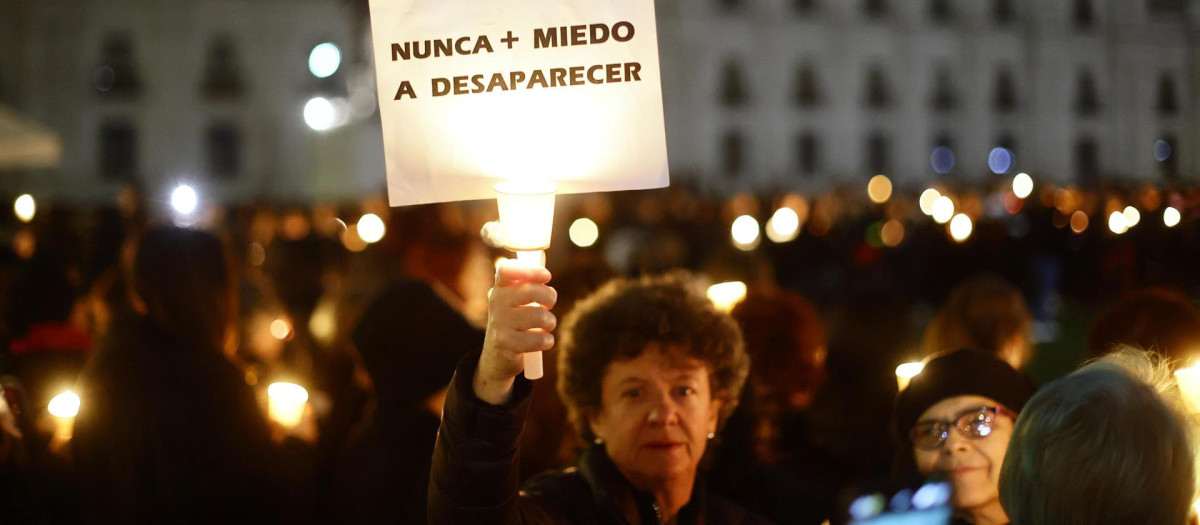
(472,92)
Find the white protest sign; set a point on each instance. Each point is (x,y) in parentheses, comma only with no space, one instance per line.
(473,92)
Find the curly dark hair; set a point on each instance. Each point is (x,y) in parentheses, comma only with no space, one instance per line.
(626,317)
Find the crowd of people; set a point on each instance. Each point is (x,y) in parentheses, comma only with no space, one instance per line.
(657,405)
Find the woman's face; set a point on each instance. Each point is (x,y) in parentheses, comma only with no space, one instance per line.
(971,465)
(656,412)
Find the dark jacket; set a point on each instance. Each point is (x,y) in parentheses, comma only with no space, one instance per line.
(474,477)
(169,431)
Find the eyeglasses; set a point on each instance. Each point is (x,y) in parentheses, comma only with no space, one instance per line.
(975,423)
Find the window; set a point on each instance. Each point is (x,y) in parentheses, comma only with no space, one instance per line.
(1003,11)
(224,147)
(807,156)
(118,151)
(943,140)
(1084,15)
(944,97)
(1087,163)
(1168,102)
(940,11)
(733,87)
(1004,99)
(1087,101)
(731,154)
(729,5)
(877,89)
(1166,7)
(875,9)
(805,7)
(877,153)
(1008,141)
(222,77)
(807,92)
(117,75)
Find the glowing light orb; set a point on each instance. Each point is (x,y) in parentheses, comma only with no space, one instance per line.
(784,225)
(584,232)
(184,199)
(371,228)
(745,233)
(961,227)
(1022,185)
(64,405)
(25,207)
(1171,217)
(324,60)
(943,209)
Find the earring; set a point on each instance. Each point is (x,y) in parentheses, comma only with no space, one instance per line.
(599,440)
(712,435)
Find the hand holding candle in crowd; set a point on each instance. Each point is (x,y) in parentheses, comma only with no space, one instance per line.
(519,322)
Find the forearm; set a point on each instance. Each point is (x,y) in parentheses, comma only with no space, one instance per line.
(474,478)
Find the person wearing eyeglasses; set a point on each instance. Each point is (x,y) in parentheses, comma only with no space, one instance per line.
(954,420)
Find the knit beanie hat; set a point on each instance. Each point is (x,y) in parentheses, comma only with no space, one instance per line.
(960,373)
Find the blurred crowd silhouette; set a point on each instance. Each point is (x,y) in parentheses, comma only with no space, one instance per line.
(169,335)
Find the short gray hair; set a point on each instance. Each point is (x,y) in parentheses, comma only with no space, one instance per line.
(1110,443)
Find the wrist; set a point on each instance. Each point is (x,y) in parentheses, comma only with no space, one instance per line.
(490,390)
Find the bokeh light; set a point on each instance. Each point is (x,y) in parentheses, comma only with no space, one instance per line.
(1162,150)
(892,233)
(784,225)
(943,209)
(1000,160)
(1022,185)
(64,405)
(584,232)
(1079,221)
(745,233)
(319,114)
(25,207)
(351,240)
(280,329)
(371,228)
(879,189)
(1117,223)
(1132,216)
(324,60)
(184,199)
(942,160)
(961,227)
(927,199)
(1171,217)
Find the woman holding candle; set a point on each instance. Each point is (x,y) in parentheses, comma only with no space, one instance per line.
(648,369)
(955,420)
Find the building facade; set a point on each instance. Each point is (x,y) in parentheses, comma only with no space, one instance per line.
(806,92)
(758,94)
(205,92)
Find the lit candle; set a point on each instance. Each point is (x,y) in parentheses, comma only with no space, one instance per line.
(526,221)
(725,296)
(907,371)
(64,407)
(286,403)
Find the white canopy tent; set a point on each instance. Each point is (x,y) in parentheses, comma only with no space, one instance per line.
(26,144)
